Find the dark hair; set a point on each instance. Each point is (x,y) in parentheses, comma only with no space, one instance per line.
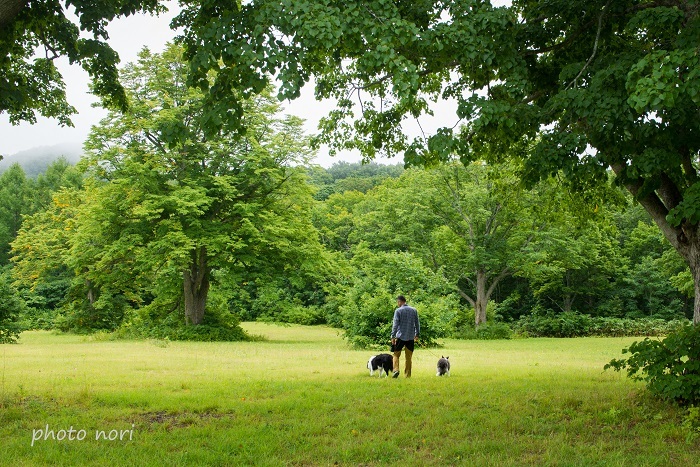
(401,298)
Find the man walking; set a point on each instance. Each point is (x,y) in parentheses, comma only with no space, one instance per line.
(404,333)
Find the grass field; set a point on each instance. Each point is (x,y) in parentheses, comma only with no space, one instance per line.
(304,398)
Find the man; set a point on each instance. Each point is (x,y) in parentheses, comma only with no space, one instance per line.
(404,333)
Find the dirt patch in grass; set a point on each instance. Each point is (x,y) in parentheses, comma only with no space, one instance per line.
(173,420)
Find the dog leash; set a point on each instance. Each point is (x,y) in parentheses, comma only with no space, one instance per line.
(428,350)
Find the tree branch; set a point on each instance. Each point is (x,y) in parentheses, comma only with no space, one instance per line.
(656,209)
(595,46)
(503,274)
(465,296)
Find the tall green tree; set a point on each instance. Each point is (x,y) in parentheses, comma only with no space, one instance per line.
(11,306)
(575,265)
(166,212)
(174,205)
(572,87)
(468,223)
(15,201)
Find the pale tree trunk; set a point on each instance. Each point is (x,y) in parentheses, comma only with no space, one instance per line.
(483,293)
(196,287)
(568,303)
(90,293)
(482,299)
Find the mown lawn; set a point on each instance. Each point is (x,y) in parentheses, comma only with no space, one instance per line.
(304,398)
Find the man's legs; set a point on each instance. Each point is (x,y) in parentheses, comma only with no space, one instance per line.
(397,354)
(409,357)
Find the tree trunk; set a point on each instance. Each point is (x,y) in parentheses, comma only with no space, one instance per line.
(482,299)
(196,287)
(685,238)
(90,293)
(694,262)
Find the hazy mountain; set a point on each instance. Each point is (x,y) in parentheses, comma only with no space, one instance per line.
(35,161)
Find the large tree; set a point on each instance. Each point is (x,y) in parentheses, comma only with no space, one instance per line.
(168,212)
(578,87)
(469,224)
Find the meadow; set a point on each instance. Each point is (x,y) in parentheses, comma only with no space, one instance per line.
(303,397)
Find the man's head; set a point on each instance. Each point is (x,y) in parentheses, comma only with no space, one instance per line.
(400,300)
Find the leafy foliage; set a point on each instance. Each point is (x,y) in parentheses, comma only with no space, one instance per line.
(670,367)
(489,331)
(31,84)
(11,306)
(167,214)
(366,302)
(571,324)
(569,88)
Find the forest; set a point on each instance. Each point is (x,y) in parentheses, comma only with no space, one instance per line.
(161,231)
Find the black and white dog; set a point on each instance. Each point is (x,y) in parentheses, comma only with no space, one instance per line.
(382,362)
(443,366)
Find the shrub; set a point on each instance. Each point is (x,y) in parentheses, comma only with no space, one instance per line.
(160,321)
(572,324)
(670,367)
(366,319)
(367,316)
(11,305)
(366,300)
(462,325)
(566,324)
(491,331)
(297,314)
(214,328)
(43,303)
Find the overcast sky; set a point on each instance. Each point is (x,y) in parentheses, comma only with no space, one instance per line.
(127,37)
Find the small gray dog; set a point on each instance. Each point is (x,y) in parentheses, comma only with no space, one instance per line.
(443,366)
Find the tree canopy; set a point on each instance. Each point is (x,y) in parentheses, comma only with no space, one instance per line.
(30,83)
(571,87)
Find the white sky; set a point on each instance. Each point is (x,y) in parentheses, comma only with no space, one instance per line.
(127,37)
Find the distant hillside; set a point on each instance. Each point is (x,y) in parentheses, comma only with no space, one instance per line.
(35,161)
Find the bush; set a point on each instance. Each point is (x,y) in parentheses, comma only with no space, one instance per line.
(462,325)
(277,301)
(567,324)
(367,317)
(43,303)
(366,300)
(299,314)
(214,328)
(625,327)
(106,313)
(160,321)
(490,331)
(670,367)
(11,305)
(572,324)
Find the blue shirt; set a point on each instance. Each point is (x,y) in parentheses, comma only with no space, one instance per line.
(406,325)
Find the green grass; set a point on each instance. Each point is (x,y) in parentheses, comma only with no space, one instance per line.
(304,398)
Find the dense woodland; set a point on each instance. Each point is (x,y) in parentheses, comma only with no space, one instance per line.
(163,230)
(83,250)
